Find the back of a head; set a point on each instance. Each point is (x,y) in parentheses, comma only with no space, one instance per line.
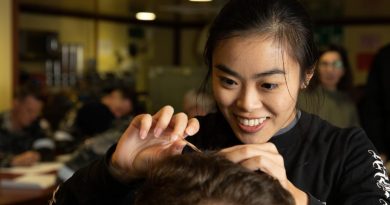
(381,60)
(207,179)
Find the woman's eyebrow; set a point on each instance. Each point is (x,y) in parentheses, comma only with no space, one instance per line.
(229,71)
(273,71)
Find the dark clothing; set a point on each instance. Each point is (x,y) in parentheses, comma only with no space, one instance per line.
(376,103)
(32,137)
(91,119)
(93,148)
(333,106)
(336,166)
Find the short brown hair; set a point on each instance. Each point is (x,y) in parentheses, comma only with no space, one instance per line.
(196,178)
(25,91)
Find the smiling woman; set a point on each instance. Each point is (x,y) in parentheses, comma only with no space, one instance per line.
(260,54)
(261,85)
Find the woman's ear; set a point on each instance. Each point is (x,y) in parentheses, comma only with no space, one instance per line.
(308,75)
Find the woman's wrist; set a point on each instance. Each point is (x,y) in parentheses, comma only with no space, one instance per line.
(119,174)
(115,169)
(300,196)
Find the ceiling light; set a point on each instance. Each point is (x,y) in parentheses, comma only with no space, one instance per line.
(145,16)
(200,0)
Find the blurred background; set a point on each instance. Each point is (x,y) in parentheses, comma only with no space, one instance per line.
(71,44)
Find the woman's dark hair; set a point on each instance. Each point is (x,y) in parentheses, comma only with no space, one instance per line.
(198,178)
(346,81)
(284,21)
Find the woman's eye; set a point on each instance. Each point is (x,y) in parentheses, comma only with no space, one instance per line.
(227,82)
(269,86)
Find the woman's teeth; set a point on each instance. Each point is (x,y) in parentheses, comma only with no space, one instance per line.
(251,122)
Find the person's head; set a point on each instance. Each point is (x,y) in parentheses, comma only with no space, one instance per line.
(260,53)
(379,63)
(119,100)
(208,179)
(333,70)
(197,103)
(27,106)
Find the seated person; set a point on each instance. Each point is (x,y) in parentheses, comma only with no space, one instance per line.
(91,149)
(23,135)
(95,117)
(207,179)
(328,94)
(97,145)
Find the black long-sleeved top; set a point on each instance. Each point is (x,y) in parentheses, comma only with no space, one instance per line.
(334,166)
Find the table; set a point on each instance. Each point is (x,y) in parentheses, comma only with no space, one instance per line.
(25,196)
(20,196)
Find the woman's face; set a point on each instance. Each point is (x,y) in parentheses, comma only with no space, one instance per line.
(330,70)
(255,84)
(27,110)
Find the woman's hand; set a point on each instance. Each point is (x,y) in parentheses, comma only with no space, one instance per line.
(265,157)
(147,140)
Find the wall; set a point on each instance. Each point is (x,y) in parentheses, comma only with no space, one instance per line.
(362,42)
(6,54)
(113,41)
(70,30)
(192,45)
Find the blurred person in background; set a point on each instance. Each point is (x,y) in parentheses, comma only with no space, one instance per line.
(23,134)
(94,117)
(376,103)
(125,104)
(328,95)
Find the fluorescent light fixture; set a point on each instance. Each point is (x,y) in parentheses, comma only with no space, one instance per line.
(200,0)
(145,16)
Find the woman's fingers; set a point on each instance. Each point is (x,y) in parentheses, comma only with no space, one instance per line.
(162,118)
(166,123)
(174,149)
(148,139)
(270,166)
(266,164)
(154,153)
(192,127)
(270,147)
(243,152)
(178,124)
(143,122)
(264,157)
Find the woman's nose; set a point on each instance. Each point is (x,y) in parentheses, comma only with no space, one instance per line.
(249,100)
